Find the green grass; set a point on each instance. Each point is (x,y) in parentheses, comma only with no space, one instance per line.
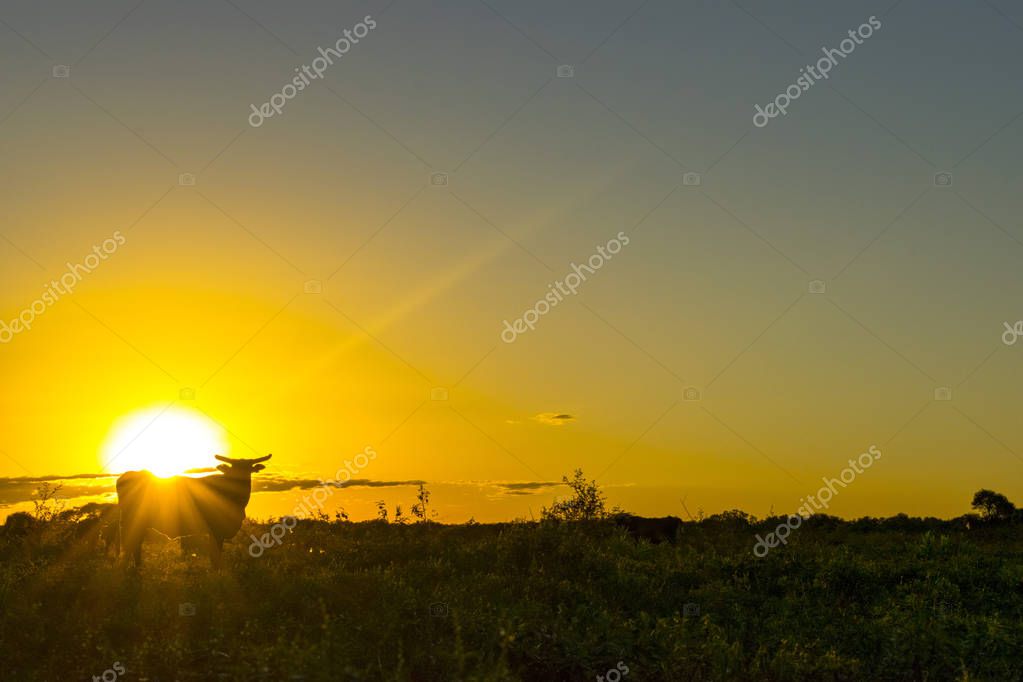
(894,600)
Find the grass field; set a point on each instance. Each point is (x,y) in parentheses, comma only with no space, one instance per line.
(899,599)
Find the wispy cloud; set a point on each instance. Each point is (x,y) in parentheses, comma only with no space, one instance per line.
(266,484)
(528,485)
(14,490)
(22,488)
(519,488)
(554,418)
(51,477)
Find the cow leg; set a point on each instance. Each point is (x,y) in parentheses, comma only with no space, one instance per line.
(135,543)
(131,544)
(216,552)
(112,539)
(130,552)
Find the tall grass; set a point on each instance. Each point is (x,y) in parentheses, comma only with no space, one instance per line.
(893,600)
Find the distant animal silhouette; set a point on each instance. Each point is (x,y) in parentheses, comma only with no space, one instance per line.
(88,528)
(19,524)
(95,525)
(179,506)
(654,530)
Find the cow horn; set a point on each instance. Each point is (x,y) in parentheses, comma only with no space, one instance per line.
(242,461)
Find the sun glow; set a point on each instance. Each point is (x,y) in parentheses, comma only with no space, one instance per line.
(165,441)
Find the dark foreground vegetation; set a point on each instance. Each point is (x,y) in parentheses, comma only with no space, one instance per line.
(892,599)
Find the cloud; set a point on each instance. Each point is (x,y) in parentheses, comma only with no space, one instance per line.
(51,477)
(519,488)
(15,489)
(554,418)
(270,484)
(528,485)
(22,488)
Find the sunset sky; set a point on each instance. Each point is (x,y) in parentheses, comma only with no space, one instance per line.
(334,272)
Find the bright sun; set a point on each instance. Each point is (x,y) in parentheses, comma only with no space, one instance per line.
(165,441)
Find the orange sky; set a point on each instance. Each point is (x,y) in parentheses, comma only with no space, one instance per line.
(310,286)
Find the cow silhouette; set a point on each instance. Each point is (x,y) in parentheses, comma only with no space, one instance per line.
(657,530)
(179,506)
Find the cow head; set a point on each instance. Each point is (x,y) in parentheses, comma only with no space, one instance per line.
(241,468)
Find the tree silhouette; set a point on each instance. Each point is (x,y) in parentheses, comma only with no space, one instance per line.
(587,502)
(993,505)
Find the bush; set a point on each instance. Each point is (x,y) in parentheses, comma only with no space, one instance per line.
(587,503)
